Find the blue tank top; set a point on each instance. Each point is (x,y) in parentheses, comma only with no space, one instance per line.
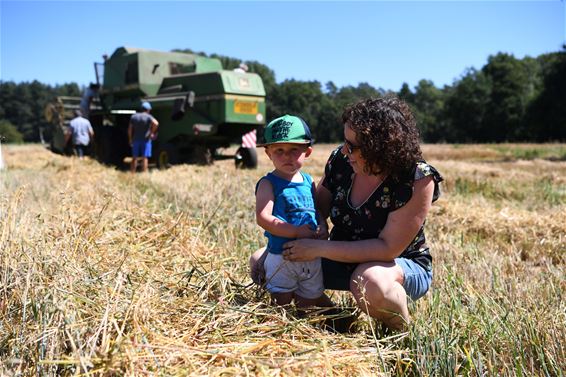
(293,203)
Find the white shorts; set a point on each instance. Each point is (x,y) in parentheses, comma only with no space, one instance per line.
(303,278)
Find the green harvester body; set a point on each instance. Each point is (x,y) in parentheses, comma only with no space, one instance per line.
(200,106)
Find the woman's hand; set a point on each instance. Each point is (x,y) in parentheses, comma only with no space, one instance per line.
(302,250)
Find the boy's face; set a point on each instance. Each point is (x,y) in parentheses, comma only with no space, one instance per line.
(288,158)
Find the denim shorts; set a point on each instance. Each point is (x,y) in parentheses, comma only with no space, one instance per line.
(417,281)
(141,148)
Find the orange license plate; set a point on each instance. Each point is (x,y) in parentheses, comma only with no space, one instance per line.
(244,107)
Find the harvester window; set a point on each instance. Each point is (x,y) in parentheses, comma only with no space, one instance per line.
(132,73)
(178,68)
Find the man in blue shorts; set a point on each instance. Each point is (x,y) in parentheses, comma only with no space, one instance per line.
(142,130)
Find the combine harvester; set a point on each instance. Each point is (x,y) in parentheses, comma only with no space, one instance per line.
(200,107)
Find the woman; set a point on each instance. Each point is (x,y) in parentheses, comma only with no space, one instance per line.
(377,191)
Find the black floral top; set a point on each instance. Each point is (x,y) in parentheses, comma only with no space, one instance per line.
(366,221)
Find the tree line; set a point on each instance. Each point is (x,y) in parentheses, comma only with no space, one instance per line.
(22,108)
(507,100)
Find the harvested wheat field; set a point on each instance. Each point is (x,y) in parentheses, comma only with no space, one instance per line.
(107,273)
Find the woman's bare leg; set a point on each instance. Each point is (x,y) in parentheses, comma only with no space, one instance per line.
(378,289)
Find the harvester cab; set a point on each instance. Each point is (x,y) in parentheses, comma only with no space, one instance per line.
(200,106)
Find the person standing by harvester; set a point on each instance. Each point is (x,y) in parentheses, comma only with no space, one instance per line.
(88,97)
(80,133)
(141,131)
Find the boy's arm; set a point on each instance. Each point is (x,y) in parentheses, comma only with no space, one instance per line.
(264,215)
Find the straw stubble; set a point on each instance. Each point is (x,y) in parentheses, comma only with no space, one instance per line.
(105,272)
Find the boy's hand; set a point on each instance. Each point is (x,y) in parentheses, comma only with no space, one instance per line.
(305,231)
(322,231)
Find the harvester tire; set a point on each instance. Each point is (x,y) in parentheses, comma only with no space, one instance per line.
(166,156)
(246,158)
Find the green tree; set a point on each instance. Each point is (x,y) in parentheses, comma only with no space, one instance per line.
(300,98)
(9,133)
(348,95)
(23,105)
(428,104)
(331,90)
(406,94)
(464,108)
(512,88)
(547,113)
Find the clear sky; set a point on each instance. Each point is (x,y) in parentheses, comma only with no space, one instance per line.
(381,43)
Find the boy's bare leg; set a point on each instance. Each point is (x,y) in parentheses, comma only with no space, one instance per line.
(303,302)
(257,271)
(145,164)
(282,299)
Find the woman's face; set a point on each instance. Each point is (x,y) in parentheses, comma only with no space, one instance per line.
(351,149)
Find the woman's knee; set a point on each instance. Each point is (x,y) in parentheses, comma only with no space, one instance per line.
(373,282)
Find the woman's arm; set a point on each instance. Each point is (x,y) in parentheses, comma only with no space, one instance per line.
(322,209)
(400,229)
(323,199)
(275,226)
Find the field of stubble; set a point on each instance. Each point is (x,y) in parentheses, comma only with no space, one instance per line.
(103,273)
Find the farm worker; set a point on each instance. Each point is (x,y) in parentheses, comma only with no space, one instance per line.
(285,209)
(80,133)
(87,98)
(377,191)
(141,131)
(242,68)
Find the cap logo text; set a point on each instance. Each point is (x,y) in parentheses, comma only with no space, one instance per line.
(281,130)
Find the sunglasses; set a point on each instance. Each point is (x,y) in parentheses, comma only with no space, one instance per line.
(350,148)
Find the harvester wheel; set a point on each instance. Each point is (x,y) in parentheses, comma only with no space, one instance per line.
(166,156)
(246,158)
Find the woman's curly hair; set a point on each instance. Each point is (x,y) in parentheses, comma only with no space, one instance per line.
(386,133)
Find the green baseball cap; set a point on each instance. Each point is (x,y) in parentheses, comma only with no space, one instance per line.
(286,129)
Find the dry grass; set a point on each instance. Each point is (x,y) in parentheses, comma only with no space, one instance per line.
(106,273)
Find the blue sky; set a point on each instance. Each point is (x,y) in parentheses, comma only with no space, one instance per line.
(381,43)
